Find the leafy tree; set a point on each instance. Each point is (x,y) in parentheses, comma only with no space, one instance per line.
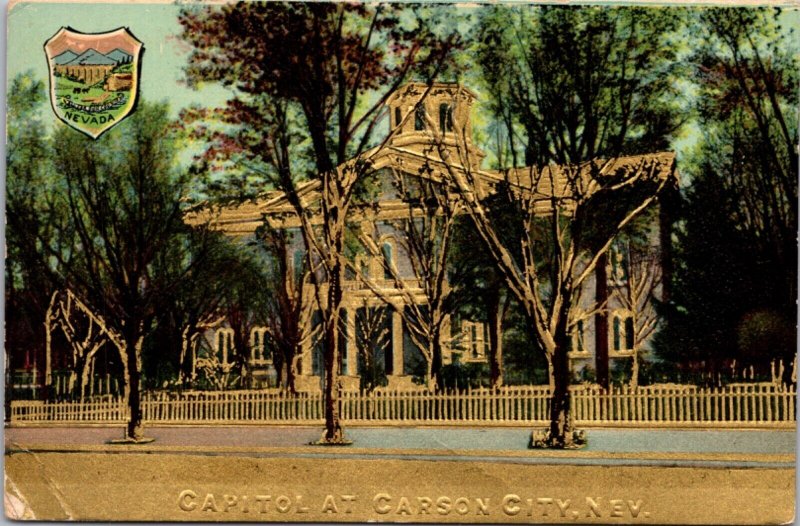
(373,326)
(479,288)
(737,257)
(286,310)
(320,71)
(132,251)
(575,84)
(31,218)
(198,302)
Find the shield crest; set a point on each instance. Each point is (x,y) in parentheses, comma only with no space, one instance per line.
(94,77)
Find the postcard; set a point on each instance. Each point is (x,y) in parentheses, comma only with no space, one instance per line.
(401,262)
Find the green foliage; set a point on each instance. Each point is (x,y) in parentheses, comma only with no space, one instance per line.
(308,92)
(524,361)
(32,216)
(462,375)
(122,199)
(105,219)
(581,82)
(735,281)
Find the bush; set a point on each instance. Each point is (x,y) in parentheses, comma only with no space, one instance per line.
(461,375)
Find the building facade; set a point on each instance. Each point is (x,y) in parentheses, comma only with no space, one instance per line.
(423,123)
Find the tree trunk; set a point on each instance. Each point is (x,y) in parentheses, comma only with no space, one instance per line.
(560,435)
(635,370)
(601,323)
(186,360)
(76,383)
(333,429)
(560,410)
(133,349)
(83,384)
(430,382)
(495,343)
(279,361)
(290,373)
(437,382)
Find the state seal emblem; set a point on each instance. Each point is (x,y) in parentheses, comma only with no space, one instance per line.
(93,77)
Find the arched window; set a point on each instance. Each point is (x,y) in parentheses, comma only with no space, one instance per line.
(445,118)
(386,249)
(419,118)
(398,116)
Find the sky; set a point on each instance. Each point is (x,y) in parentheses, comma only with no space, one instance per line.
(30,25)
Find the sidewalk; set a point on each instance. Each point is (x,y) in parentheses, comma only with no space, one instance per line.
(741,448)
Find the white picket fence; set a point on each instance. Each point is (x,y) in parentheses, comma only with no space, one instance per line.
(665,405)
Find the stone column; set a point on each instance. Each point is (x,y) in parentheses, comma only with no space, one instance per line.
(397,344)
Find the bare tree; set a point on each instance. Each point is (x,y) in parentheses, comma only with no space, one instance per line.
(288,311)
(86,332)
(566,219)
(190,338)
(424,238)
(218,374)
(637,295)
(324,64)
(372,335)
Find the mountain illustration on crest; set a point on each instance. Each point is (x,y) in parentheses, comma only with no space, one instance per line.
(65,58)
(92,57)
(121,57)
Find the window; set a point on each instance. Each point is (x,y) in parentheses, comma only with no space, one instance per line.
(618,264)
(297,263)
(445,118)
(259,351)
(398,116)
(419,118)
(224,344)
(622,333)
(473,340)
(386,249)
(577,343)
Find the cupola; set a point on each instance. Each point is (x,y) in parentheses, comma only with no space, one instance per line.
(422,109)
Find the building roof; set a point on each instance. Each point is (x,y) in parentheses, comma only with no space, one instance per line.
(559,181)
(432,155)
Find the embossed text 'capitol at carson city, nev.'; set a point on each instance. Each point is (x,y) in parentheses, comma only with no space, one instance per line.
(386,504)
